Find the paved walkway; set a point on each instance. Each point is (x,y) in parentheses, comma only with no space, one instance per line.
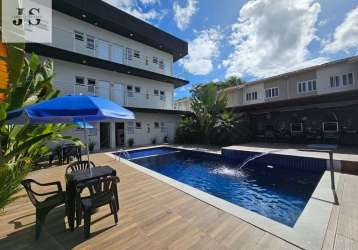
(154,215)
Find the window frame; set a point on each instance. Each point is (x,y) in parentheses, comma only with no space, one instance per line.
(90,37)
(136,54)
(137,89)
(156,92)
(140,125)
(155,60)
(129,54)
(270,93)
(80,77)
(79,33)
(91,79)
(350,78)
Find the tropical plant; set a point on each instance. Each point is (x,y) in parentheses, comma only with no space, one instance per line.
(21,146)
(188,131)
(91,146)
(207,104)
(210,122)
(154,141)
(130,142)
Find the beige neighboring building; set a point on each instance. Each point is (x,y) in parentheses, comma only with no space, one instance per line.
(318,104)
(183,104)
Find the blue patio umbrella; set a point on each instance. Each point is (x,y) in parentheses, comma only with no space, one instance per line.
(70,109)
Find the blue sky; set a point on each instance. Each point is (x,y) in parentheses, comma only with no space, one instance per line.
(251,39)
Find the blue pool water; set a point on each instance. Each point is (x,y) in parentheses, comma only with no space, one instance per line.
(146,152)
(276,193)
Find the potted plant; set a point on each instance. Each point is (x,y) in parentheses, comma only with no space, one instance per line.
(91,146)
(130,142)
(154,141)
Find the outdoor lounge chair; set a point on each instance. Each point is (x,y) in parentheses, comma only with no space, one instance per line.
(54,199)
(101,192)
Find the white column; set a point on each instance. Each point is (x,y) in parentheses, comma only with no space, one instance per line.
(112,128)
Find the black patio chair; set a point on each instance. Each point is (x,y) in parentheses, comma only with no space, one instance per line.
(101,192)
(79,166)
(71,151)
(54,199)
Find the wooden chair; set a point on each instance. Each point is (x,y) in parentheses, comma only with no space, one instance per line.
(101,192)
(54,199)
(78,166)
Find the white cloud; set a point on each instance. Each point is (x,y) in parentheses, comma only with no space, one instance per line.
(131,7)
(183,14)
(272,37)
(346,34)
(148,2)
(202,51)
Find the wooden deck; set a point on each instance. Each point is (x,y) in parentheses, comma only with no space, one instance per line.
(154,215)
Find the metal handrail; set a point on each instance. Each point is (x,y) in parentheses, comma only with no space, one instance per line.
(331,168)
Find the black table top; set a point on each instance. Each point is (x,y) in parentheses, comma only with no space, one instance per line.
(97,172)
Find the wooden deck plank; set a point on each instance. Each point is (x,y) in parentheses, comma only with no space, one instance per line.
(154,215)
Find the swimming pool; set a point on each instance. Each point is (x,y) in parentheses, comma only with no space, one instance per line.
(276,193)
(133,154)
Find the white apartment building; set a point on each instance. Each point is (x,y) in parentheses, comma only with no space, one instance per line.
(100,50)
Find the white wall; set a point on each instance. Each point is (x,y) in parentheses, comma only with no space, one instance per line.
(65,73)
(142,137)
(323,77)
(63,37)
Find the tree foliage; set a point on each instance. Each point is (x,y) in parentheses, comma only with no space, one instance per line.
(210,122)
(22,146)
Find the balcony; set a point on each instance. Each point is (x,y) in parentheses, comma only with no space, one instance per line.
(116,94)
(95,47)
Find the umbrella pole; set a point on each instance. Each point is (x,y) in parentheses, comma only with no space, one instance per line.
(87,147)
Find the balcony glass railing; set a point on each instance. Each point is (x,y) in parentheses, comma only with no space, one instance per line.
(126,98)
(105,50)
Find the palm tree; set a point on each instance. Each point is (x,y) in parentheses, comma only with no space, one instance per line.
(207,104)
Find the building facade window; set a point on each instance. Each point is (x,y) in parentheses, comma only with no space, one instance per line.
(136,54)
(156,92)
(155,60)
(162,127)
(161,64)
(138,125)
(156,124)
(130,127)
(90,42)
(80,80)
(350,78)
(272,92)
(306,86)
(162,95)
(129,53)
(137,89)
(79,35)
(347,79)
(337,81)
(129,88)
(251,96)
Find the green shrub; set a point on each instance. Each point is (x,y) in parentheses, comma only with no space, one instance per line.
(130,142)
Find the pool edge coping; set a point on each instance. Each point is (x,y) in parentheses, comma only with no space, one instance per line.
(309,230)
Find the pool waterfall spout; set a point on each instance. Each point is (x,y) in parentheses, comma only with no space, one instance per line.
(252,158)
